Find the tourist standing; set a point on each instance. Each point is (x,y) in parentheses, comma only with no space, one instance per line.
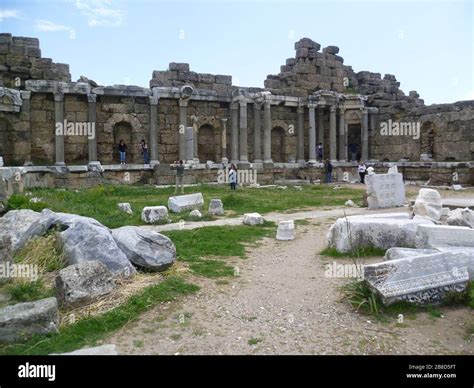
(122,151)
(179,165)
(319,151)
(144,148)
(328,171)
(233,177)
(362,169)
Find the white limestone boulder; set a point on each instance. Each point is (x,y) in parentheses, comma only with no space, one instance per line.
(376,230)
(401,253)
(153,214)
(180,203)
(145,248)
(20,321)
(461,217)
(435,236)
(216,207)
(385,190)
(428,204)
(125,207)
(80,284)
(253,219)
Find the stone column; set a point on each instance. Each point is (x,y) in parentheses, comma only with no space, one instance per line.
(26,116)
(234,116)
(224,140)
(92,116)
(267,133)
(365,135)
(300,135)
(312,133)
(189,143)
(195,135)
(321,129)
(342,136)
(243,131)
(154,158)
(183,123)
(59,137)
(332,133)
(257,134)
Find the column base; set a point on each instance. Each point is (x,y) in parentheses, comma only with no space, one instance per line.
(60,164)
(258,161)
(313,161)
(268,164)
(153,163)
(300,161)
(243,164)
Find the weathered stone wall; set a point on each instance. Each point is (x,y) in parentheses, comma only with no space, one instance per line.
(42,128)
(21,57)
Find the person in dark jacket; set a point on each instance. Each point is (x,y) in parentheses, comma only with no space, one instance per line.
(122,151)
(328,171)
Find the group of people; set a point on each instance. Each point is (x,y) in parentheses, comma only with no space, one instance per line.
(143,147)
(361,169)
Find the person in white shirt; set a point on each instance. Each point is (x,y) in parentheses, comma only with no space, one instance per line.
(362,169)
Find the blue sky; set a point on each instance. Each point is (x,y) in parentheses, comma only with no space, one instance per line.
(428,45)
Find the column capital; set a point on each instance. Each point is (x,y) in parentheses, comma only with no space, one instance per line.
(257,105)
(183,102)
(224,120)
(243,102)
(267,104)
(332,108)
(25,94)
(234,106)
(154,100)
(312,105)
(58,97)
(91,97)
(342,110)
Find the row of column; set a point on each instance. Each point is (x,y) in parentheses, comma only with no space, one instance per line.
(239,131)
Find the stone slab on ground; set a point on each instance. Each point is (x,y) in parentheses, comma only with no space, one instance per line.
(253,219)
(180,203)
(400,253)
(152,214)
(23,320)
(461,217)
(380,231)
(435,236)
(426,279)
(385,190)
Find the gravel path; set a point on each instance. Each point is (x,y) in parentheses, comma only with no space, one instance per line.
(282,303)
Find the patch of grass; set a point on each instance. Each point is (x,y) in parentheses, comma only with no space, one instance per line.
(21,201)
(88,331)
(42,251)
(469,332)
(175,337)
(27,291)
(138,343)
(359,252)
(301,222)
(361,297)
(254,341)
(205,249)
(100,202)
(433,312)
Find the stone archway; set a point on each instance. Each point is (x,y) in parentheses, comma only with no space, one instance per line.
(278,145)
(121,125)
(6,142)
(427,141)
(208,143)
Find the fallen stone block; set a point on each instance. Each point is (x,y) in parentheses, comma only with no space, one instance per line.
(428,204)
(186,202)
(103,350)
(253,219)
(385,190)
(286,230)
(195,214)
(145,248)
(426,279)
(435,236)
(216,207)
(80,284)
(125,207)
(20,321)
(461,217)
(377,230)
(401,253)
(152,214)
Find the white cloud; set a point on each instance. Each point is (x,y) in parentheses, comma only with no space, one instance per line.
(9,14)
(101,13)
(48,26)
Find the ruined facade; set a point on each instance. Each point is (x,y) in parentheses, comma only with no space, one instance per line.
(193,116)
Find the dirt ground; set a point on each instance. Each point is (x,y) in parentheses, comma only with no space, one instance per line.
(281,302)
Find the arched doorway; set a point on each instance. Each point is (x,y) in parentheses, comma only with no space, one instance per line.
(123,131)
(427,141)
(6,143)
(278,145)
(208,143)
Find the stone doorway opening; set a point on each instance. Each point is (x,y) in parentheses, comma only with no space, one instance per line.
(208,143)
(7,143)
(354,146)
(123,131)
(427,141)
(278,145)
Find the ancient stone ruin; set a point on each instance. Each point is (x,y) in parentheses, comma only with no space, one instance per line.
(204,118)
